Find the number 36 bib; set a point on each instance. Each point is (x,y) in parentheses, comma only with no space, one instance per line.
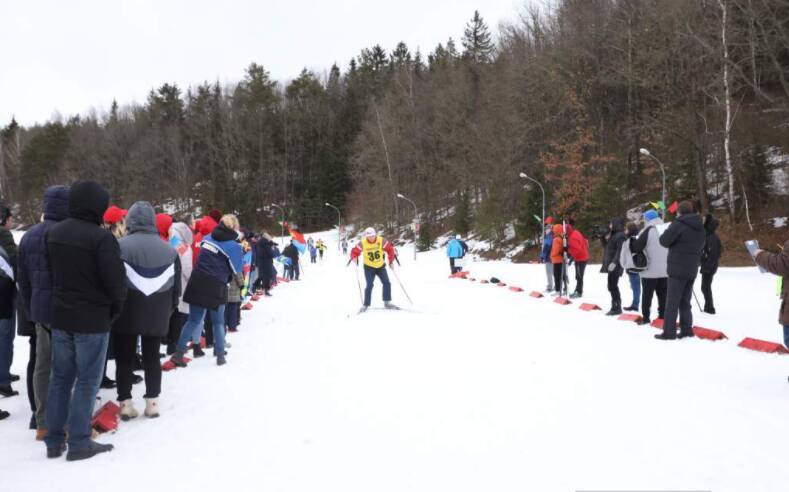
(373,253)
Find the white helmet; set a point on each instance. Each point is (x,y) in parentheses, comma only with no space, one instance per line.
(370,232)
(457,237)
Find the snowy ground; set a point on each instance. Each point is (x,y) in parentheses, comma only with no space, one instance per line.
(475,388)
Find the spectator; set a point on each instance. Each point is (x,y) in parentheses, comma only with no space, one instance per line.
(684,239)
(35,295)
(545,257)
(7,299)
(578,250)
(163,223)
(611,265)
(220,258)
(264,251)
(654,278)
(710,258)
(292,254)
(778,264)
(626,260)
(557,259)
(89,289)
(181,239)
(115,221)
(153,277)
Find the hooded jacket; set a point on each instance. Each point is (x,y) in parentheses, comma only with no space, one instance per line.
(684,239)
(557,248)
(33,273)
(577,245)
(713,249)
(88,277)
(181,239)
(220,258)
(779,265)
(455,249)
(264,252)
(613,247)
(648,242)
(153,276)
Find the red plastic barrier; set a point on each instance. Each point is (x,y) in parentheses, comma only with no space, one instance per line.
(515,289)
(708,334)
(562,300)
(658,323)
(459,275)
(473,279)
(282,279)
(106,417)
(763,346)
(501,284)
(536,294)
(246,307)
(168,365)
(589,307)
(630,317)
(483,281)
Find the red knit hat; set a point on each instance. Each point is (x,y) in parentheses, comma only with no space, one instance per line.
(114,214)
(216,215)
(163,223)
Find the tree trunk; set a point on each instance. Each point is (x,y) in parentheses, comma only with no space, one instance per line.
(727,101)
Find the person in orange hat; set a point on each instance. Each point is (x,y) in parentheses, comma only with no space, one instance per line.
(557,258)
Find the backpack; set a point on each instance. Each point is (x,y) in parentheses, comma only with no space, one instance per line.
(632,262)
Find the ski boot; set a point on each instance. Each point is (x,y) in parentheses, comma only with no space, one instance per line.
(389,305)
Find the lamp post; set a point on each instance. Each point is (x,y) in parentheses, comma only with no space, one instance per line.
(281,224)
(339,224)
(645,152)
(403,197)
(526,176)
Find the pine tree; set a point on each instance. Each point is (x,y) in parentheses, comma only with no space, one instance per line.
(477,44)
(425,240)
(462,219)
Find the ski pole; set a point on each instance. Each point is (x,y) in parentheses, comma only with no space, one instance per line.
(358,282)
(397,277)
(697,300)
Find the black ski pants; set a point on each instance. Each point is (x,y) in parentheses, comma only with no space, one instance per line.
(680,290)
(649,287)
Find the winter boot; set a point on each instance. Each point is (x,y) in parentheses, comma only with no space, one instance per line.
(56,452)
(220,360)
(128,411)
(137,379)
(665,336)
(8,391)
(575,295)
(90,451)
(631,308)
(615,311)
(107,383)
(362,309)
(4,414)
(389,305)
(178,359)
(33,425)
(643,321)
(197,351)
(686,333)
(152,407)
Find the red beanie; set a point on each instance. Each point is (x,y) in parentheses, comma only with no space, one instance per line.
(163,223)
(114,214)
(216,215)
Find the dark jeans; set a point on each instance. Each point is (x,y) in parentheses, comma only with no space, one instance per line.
(786,336)
(650,286)
(580,268)
(208,330)
(558,273)
(680,291)
(706,289)
(177,320)
(125,347)
(31,368)
(613,288)
(77,362)
(232,315)
(7,334)
(369,276)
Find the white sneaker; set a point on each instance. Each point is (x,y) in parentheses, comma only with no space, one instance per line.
(152,407)
(127,410)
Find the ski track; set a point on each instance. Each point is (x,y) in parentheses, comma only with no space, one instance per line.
(473,388)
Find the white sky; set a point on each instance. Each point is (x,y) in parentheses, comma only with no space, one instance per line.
(69,56)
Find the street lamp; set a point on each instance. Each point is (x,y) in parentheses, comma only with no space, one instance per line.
(281,224)
(662,170)
(526,176)
(339,224)
(403,197)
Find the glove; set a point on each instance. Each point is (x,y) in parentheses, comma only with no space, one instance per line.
(612,267)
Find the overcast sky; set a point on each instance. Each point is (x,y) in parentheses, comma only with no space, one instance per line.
(71,56)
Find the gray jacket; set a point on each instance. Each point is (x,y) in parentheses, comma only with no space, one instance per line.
(649,242)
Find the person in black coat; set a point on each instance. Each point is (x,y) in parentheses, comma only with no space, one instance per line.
(710,258)
(684,239)
(291,252)
(35,294)
(7,300)
(153,276)
(88,292)
(264,254)
(611,264)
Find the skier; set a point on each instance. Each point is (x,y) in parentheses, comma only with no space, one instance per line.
(313,253)
(321,248)
(374,249)
(344,245)
(455,252)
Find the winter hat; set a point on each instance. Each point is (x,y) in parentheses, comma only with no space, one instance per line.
(650,215)
(369,232)
(549,220)
(558,230)
(458,237)
(216,215)
(114,214)
(163,223)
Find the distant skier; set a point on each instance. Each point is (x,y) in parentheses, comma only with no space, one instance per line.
(456,250)
(321,246)
(374,250)
(344,245)
(313,253)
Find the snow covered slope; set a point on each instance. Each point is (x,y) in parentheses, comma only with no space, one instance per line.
(474,388)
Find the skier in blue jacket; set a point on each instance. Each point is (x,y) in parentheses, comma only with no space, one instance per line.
(456,249)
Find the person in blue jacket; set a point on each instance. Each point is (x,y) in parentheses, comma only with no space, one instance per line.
(545,256)
(456,250)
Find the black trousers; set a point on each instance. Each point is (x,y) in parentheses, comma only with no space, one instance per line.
(580,269)
(31,366)
(125,350)
(650,286)
(613,288)
(177,321)
(208,332)
(558,274)
(680,291)
(706,289)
